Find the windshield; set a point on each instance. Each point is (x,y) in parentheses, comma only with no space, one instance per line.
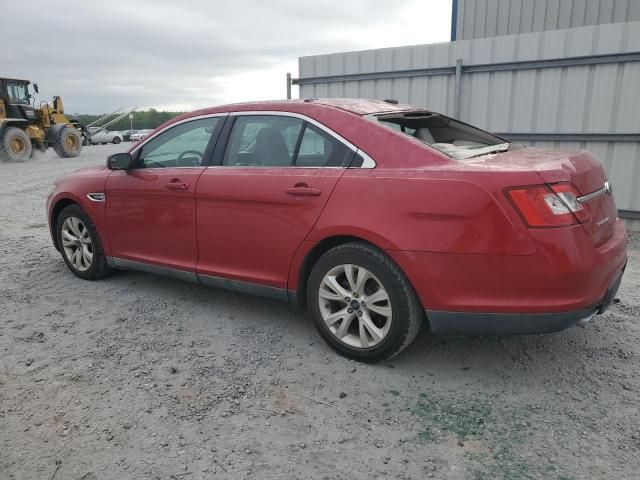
(18,93)
(451,137)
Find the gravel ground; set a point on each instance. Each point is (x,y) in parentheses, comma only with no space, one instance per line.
(139,376)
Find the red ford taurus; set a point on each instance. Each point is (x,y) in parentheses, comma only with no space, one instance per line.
(374,216)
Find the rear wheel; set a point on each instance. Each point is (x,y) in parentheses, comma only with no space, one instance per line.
(68,142)
(116,140)
(15,145)
(362,304)
(80,244)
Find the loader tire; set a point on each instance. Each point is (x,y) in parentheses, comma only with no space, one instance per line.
(15,145)
(68,142)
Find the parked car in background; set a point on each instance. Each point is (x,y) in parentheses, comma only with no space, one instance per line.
(126,135)
(374,216)
(100,135)
(139,135)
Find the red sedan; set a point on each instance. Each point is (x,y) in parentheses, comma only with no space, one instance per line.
(374,216)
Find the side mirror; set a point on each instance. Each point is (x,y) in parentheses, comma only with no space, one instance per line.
(120,161)
(35,87)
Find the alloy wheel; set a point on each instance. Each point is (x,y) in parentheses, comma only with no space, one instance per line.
(355,306)
(77,244)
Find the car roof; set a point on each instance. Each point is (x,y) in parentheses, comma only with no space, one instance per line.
(362,106)
(357,106)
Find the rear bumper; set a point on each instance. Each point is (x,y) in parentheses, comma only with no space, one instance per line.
(559,285)
(468,323)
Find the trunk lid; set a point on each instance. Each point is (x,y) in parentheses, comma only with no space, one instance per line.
(580,169)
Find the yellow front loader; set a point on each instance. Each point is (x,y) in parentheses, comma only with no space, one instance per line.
(24,126)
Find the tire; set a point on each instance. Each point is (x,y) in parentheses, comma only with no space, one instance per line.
(402,311)
(15,145)
(116,140)
(68,142)
(97,268)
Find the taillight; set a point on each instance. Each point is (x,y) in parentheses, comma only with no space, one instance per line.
(549,205)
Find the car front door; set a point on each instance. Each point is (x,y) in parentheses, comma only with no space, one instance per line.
(274,175)
(151,207)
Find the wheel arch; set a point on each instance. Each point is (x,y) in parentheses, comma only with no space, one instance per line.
(316,251)
(56,209)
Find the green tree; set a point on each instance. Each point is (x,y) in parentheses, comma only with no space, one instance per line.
(147,119)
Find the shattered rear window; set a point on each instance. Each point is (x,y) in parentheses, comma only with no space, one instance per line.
(447,135)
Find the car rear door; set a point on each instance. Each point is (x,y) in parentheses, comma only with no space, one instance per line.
(151,208)
(274,175)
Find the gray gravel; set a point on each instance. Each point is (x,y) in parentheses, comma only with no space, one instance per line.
(138,376)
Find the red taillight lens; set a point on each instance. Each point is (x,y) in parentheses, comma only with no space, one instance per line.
(549,205)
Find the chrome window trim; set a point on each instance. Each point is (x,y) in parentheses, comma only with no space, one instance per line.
(368,161)
(168,127)
(593,195)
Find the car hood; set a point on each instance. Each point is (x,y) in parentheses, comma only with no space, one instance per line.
(88,170)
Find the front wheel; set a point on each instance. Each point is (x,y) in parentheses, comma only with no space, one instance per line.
(362,304)
(68,142)
(116,140)
(80,245)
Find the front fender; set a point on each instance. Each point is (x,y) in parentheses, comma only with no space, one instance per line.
(74,189)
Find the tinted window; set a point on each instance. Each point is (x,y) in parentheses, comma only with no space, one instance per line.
(319,149)
(18,93)
(181,146)
(262,140)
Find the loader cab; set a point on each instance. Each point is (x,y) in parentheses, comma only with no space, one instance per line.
(16,98)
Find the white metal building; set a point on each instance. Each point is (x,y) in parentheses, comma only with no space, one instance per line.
(491,18)
(572,88)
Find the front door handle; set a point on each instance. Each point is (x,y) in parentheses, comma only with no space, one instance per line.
(303,190)
(176,184)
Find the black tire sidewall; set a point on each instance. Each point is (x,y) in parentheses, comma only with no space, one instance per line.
(399,304)
(61,146)
(5,148)
(94,270)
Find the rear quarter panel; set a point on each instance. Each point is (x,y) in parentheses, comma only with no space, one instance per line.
(427,210)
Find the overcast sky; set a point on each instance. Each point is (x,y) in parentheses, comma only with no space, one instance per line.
(183,55)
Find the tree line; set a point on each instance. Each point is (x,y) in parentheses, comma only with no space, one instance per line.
(142,120)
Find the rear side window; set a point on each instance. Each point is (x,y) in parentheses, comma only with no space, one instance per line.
(263,141)
(319,149)
(282,141)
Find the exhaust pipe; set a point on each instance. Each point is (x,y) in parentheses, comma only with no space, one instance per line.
(583,321)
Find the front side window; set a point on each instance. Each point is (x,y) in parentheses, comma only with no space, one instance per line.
(263,141)
(181,146)
(18,93)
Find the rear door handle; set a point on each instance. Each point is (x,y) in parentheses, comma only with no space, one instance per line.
(303,191)
(176,184)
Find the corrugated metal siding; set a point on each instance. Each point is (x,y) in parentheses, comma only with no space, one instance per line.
(601,99)
(490,18)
